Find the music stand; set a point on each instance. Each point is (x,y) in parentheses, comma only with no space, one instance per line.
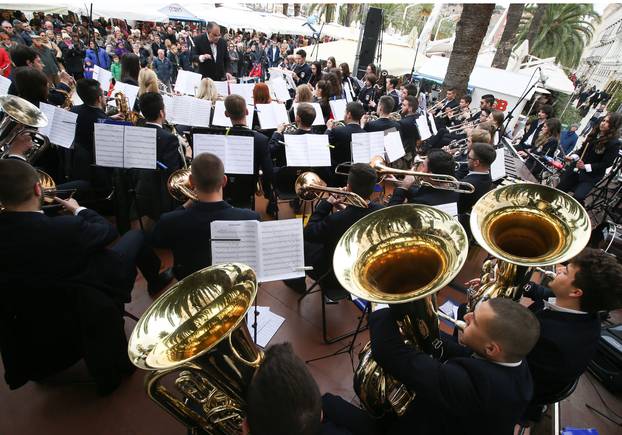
(601,197)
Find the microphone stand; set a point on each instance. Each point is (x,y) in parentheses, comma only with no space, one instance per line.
(510,115)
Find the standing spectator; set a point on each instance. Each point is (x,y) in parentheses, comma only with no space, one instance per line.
(157,45)
(49,40)
(273,54)
(50,68)
(73,55)
(173,56)
(96,55)
(568,139)
(170,35)
(8,28)
(163,68)
(22,29)
(234,55)
(594,120)
(115,68)
(185,58)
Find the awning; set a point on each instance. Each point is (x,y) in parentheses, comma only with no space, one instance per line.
(175,11)
(46,6)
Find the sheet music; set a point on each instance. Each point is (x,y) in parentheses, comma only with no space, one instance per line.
(139,147)
(244,90)
(393,146)
(222,87)
(181,110)
(497,169)
(219,115)
(319,118)
(103,76)
(278,85)
(169,108)
(63,127)
(338,107)
(432,123)
(210,143)
(109,145)
(271,115)
(76,100)
(48,111)
(424,129)
(282,250)
(4,85)
(244,251)
(268,323)
(317,150)
(348,91)
(367,145)
(451,208)
(187,82)
(239,152)
(296,150)
(130,91)
(201,112)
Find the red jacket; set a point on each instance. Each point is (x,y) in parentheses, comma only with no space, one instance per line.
(5,63)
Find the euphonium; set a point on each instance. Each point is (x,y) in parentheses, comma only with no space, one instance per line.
(309,186)
(20,116)
(374,261)
(524,226)
(395,116)
(290,128)
(178,185)
(197,332)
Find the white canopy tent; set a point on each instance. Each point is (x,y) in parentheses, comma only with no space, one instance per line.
(175,11)
(555,78)
(47,6)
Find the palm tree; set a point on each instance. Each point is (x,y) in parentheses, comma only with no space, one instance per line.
(565,30)
(502,56)
(536,23)
(327,10)
(296,9)
(285,8)
(470,33)
(349,12)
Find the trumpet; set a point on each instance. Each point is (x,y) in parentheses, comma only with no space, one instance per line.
(437,105)
(436,181)
(461,127)
(309,186)
(458,144)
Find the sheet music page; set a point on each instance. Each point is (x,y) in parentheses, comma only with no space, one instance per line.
(219,115)
(187,82)
(266,115)
(182,109)
(319,118)
(318,150)
(268,323)
(240,155)
(4,85)
(169,108)
(360,147)
(451,208)
(424,129)
(109,145)
(432,123)
(246,250)
(210,143)
(393,146)
(130,91)
(200,113)
(280,113)
(497,169)
(76,100)
(139,147)
(281,250)
(103,76)
(222,87)
(244,90)
(279,87)
(296,150)
(348,91)
(338,107)
(64,129)
(376,144)
(49,111)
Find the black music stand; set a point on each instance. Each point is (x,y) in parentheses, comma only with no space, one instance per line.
(349,348)
(602,196)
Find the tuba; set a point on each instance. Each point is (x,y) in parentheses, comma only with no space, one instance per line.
(374,261)
(197,332)
(20,116)
(178,185)
(524,226)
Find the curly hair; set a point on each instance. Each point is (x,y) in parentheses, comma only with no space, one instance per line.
(615,122)
(599,277)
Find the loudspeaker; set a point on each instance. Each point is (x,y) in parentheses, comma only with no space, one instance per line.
(369,43)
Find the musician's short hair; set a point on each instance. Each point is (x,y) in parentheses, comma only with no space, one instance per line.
(21,54)
(596,273)
(547,109)
(411,89)
(31,84)
(207,172)
(412,102)
(451,90)
(467,98)
(480,135)
(151,103)
(489,98)
(393,81)
(16,182)
(441,162)
(235,105)
(210,25)
(484,152)
(514,327)
(386,103)
(302,53)
(88,90)
(283,398)
(306,113)
(372,78)
(356,110)
(362,179)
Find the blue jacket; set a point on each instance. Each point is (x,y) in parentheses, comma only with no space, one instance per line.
(568,140)
(163,69)
(99,57)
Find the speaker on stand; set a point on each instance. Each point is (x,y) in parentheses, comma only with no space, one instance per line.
(369,41)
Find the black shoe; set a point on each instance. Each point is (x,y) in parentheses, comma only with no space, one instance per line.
(164,278)
(299,285)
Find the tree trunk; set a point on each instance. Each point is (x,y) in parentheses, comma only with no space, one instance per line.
(296,9)
(502,56)
(330,12)
(349,13)
(285,8)
(470,33)
(536,22)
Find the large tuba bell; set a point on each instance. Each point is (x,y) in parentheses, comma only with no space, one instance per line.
(19,117)
(197,331)
(524,226)
(400,256)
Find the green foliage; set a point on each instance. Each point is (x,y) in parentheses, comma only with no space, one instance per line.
(566,29)
(571,115)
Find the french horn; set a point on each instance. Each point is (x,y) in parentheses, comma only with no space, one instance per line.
(178,185)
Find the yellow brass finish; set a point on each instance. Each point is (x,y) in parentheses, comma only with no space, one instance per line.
(21,116)
(178,185)
(309,186)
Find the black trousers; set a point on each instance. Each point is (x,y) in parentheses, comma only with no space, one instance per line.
(136,253)
(580,183)
(346,416)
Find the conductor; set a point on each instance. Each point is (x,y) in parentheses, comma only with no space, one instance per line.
(211,52)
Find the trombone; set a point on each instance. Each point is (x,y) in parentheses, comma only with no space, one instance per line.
(436,181)
(461,127)
(436,106)
(309,186)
